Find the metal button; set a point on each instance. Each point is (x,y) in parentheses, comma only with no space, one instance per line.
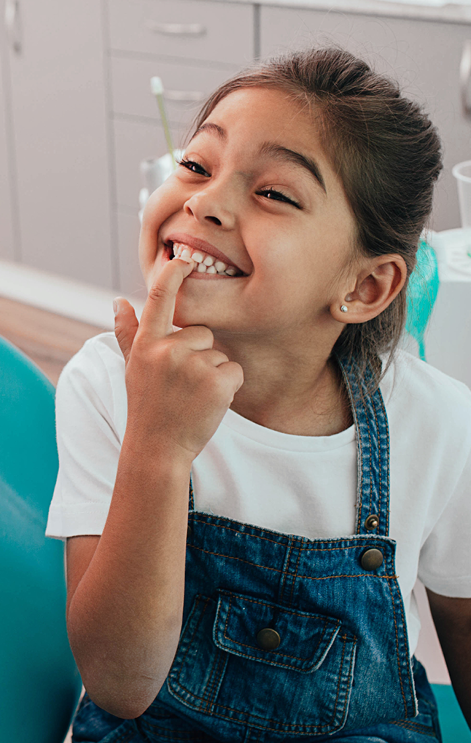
(371,522)
(371,559)
(268,639)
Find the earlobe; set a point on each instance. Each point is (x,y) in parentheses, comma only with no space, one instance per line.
(377,285)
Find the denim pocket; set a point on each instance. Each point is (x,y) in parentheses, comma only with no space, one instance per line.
(300,687)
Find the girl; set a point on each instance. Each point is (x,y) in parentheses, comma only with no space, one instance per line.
(270,600)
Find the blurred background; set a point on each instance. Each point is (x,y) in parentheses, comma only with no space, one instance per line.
(77,118)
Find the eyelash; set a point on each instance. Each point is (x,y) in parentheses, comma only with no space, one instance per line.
(191,164)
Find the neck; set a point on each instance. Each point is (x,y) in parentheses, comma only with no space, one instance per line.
(294,391)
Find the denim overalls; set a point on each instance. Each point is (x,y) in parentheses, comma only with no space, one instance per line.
(290,639)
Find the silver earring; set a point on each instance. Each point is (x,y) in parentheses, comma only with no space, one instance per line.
(343,308)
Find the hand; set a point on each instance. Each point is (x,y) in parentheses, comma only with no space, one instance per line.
(179,387)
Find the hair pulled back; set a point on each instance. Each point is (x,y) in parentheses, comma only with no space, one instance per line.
(386,152)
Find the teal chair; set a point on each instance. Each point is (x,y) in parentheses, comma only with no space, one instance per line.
(421,294)
(452,722)
(39,681)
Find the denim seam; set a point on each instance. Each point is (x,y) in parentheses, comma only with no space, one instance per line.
(294,578)
(345,640)
(219,670)
(380,462)
(197,600)
(304,577)
(397,651)
(388,464)
(370,457)
(286,610)
(278,655)
(290,728)
(210,685)
(297,544)
(401,606)
(283,579)
(413,725)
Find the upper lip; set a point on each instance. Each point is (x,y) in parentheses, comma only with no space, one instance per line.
(197,244)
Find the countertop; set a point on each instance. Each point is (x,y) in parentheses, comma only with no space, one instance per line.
(452,13)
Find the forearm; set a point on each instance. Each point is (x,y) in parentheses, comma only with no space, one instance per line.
(452,618)
(458,659)
(124,619)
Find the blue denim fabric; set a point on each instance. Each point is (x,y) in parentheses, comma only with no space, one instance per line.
(342,670)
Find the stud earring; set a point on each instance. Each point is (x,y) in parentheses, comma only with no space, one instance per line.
(343,308)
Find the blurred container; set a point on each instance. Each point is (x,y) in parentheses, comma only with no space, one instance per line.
(462,173)
(155,170)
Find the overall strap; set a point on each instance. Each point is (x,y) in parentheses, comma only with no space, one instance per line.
(372,434)
(192,496)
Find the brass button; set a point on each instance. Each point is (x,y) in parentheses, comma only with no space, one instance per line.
(268,639)
(371,559)
(371,522)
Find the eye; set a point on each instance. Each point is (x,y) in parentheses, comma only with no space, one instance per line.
(271,193)
(193,167)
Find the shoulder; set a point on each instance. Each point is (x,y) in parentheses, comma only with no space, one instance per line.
(420,398)
(99,358)
(95,375)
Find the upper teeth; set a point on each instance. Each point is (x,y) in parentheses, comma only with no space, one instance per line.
(205,263)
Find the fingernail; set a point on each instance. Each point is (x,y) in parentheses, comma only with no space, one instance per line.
(115,306)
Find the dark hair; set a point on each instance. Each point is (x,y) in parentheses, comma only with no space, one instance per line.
(385,150)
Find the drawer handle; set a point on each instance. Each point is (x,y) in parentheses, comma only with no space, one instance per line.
(176,29)
(12,23)
(184,96)
(465,75)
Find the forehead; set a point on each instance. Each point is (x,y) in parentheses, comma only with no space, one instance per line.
(269,112)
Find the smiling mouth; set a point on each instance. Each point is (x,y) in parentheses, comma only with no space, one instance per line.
(204,262)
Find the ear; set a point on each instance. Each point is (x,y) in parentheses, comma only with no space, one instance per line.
(375,287)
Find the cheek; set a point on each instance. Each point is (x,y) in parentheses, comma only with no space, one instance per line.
(163,203)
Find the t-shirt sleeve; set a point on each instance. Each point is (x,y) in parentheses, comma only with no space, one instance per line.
(445,557)
(90,421)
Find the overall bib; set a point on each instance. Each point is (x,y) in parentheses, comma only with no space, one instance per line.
(290,639)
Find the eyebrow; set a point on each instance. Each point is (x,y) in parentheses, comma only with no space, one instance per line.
(209,126)
(275,150)
(283,153)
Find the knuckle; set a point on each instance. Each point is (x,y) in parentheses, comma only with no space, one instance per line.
(157,292)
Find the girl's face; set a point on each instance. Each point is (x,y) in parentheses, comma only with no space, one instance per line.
(256,190)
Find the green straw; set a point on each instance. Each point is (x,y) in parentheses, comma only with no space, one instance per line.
(158,89)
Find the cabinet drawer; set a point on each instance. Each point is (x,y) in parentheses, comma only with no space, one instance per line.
(185,88)
(216,32)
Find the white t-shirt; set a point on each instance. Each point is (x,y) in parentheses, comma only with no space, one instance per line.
(303,485)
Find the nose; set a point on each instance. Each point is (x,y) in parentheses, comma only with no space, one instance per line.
(213,204)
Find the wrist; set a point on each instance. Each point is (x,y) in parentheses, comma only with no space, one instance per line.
(151,454)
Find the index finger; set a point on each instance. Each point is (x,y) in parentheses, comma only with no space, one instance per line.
(157,315)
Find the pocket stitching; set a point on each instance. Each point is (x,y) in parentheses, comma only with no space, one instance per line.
(281,726)
(325,620)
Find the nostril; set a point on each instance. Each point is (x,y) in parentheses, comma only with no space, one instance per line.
(215,220)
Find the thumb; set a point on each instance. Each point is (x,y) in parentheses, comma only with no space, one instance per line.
(126,325)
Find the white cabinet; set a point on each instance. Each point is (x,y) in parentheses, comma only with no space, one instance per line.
(424,56)
(59,144)
(7,213)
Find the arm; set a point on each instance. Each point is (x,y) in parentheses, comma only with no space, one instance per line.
(126,588)
(452,618)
